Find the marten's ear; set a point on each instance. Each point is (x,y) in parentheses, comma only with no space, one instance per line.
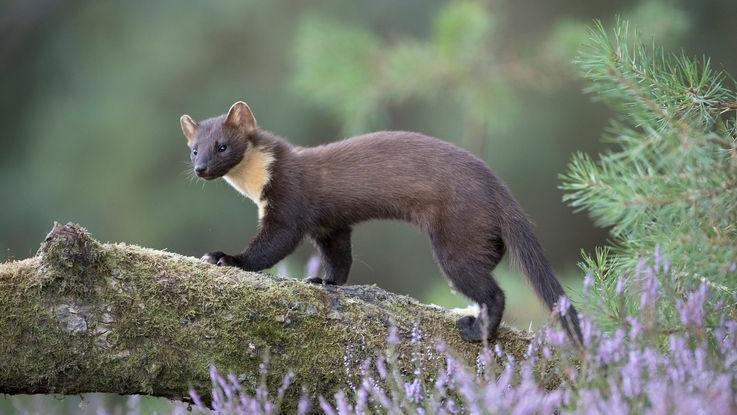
(189,127)
(240,116)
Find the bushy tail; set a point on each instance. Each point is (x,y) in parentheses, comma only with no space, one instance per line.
(528,257)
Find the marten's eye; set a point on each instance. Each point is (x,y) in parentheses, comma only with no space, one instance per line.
(194,151)
(222,147)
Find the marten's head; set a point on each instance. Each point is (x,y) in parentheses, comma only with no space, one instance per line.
(219,144)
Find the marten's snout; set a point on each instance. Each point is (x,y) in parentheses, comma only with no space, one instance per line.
(201,171)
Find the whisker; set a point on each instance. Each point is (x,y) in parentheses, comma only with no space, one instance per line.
(189,175)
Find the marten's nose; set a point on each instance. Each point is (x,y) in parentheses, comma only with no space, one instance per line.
(200,169)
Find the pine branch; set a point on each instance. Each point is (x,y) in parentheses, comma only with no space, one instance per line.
(670,182)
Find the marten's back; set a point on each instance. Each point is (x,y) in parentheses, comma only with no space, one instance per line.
(393,174)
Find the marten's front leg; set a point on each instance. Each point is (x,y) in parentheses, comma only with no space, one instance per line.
(276,238)
(335,248)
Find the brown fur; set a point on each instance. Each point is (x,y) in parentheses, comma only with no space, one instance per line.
(320,192)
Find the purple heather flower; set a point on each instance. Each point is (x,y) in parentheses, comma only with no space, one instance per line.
(619,288)
(631,375)
(587,330)
(691,310)
(196,399)
(563,304)
(342,404)
(415,334)
(326,407)
(610,348)
(556,337)
(588,282)
(312,268)
(635,327)
(361,401)
(381,367)
(286,381)
(413,391)
(304,405)
(393,337)
(650,288)
(498,350)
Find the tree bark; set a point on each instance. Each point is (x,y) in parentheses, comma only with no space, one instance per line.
(82,316)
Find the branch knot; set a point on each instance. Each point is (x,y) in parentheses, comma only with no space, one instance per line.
(69,249)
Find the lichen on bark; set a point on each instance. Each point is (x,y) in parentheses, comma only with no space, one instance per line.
(82,316)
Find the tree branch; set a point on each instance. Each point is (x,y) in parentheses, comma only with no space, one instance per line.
(82,316)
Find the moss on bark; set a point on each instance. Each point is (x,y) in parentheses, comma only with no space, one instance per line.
(82,316)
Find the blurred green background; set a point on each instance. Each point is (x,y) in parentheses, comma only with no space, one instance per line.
(91,93)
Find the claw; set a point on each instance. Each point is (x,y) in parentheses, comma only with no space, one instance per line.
(208,259)
(226,261)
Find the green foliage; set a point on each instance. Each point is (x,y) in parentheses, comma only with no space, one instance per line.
(662,21)
(669,183)
(353,73)
(337,69)
(460,30)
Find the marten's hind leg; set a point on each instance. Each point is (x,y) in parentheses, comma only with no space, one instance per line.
(335,248)
(469,270)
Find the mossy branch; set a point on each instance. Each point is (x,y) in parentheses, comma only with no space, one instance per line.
(82,316)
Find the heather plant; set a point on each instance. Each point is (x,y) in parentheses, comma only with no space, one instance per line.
(628,370)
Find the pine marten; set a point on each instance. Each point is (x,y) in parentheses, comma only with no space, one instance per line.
(321,192)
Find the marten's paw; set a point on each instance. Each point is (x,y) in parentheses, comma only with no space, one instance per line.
(220,259)
(469,330)
(213,257)
(228,261)
(318,280)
